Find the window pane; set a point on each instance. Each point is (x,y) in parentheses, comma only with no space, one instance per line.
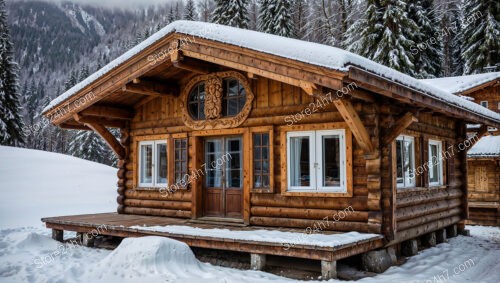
(300,161)
(399,162)
(434,163)
(261,160)
(146,163)
(161,163)
(408,162)
(331,161)
(214,169)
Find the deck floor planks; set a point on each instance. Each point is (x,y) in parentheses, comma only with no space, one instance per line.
(119,225)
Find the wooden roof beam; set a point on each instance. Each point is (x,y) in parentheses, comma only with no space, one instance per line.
(179,61)
(257,71)
(69,126)
(151,88)
(108,112)
(354,123)
(111,123)
(108,137)
(400,125)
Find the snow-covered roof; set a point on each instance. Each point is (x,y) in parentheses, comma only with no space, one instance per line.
(303,51)
(462,83)
(488,146)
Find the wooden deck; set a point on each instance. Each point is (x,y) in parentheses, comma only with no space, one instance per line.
(120,225)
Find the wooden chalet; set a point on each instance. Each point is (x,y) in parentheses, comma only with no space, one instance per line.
(228,128)
(484,156)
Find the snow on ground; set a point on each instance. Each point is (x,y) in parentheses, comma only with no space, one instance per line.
(28,254)
(36,184)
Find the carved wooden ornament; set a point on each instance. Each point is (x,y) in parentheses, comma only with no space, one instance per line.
(213,102)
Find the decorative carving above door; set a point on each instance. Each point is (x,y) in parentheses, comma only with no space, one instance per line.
(216,101)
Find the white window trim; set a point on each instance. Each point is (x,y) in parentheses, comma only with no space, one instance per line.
(485,102)
(310,135)
(316,161)
(413,183)
(153,183)
(439,145)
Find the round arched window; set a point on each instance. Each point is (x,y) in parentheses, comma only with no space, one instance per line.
(234,97)
(196,102)
(216,101)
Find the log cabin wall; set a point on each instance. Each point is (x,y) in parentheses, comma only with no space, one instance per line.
(161,118)
(423,208)
(491,94)
(484,192)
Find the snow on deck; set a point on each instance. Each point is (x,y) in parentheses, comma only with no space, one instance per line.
(462,83)
(488,146)
(303,51)
(268,236)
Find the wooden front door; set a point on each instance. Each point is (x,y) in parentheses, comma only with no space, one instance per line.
(223,196)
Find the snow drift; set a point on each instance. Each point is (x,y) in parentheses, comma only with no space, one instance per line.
(37,184)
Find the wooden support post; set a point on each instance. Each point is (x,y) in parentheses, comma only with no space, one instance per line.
(429,239)
(401,124)
(257,261)
(58,235)
(328,270)
(354,123)
(409,248)
(88,240)
(451,231)
(440,236)
(461,229)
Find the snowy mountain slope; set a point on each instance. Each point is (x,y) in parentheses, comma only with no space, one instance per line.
(36,184)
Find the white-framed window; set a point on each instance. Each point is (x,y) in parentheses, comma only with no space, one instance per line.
(316,161)
(484,103)
(498,106)
(435,163)
(153,162)
(405,161)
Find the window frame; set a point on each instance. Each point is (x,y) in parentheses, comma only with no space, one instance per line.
(414,183)
(439,145)
(182,183)
(485,102)
(316,161)
(261,130)
(154,183)
(312,158)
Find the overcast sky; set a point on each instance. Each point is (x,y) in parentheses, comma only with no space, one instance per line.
(113,3)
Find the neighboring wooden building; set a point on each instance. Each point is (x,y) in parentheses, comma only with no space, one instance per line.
(232,127)
(484,182)
(483,157)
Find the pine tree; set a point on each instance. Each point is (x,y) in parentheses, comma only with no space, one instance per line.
(190,11)
(481,35)
(426,51)
(253,8)
(171,16)
(299,18)
(205,7)
(450,27)
(232,13)
(88,145)
(276,18)
(11,124)
(384,35)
